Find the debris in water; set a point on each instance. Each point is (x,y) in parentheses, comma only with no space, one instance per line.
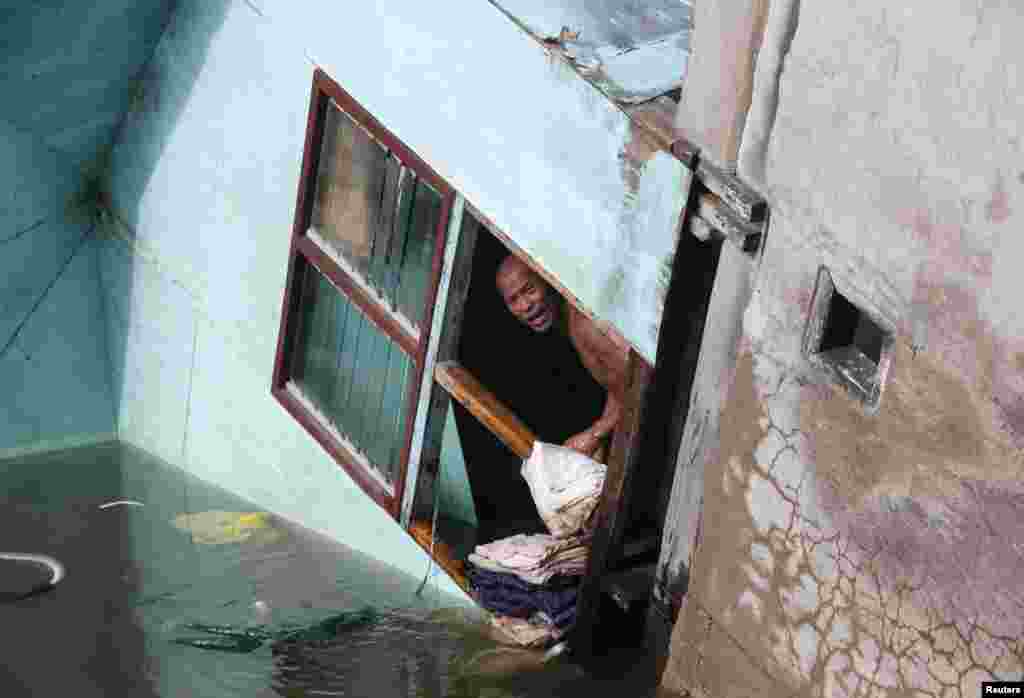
(222,527)
(122,503)
(57,573)
(241,640)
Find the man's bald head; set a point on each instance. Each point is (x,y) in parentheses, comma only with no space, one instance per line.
(526,294)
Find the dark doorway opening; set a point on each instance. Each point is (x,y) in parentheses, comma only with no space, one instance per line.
(538,376)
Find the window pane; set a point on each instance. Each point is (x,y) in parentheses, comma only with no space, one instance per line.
(353,373)
(418,253)
(376,214)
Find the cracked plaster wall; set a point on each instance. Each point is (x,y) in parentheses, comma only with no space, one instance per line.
(842,554)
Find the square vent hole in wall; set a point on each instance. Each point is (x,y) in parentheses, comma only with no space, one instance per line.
(847,343)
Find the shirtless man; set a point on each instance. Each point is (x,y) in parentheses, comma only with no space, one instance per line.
(604,354)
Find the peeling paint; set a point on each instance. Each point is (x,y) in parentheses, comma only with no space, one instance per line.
(631,51)
(861,596)
(997,210)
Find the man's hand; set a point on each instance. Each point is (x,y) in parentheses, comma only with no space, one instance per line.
(586,442)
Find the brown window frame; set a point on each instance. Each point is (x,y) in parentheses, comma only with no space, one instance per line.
(306,255)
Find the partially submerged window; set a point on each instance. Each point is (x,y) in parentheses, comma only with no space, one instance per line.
(365,256)
(372,346)
(844,340)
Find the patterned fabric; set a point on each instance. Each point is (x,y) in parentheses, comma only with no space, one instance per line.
(534,559)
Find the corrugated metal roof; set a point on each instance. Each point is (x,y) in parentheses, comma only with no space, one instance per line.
(634,50)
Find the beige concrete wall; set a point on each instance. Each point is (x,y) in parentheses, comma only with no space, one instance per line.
(841,553)
(719,81)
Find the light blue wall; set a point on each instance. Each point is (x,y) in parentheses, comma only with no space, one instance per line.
(68,69)
(53,370)
(67,75)
(456,495)
(193,268)
(204,179)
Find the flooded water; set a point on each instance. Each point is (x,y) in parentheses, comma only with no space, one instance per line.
(176,588)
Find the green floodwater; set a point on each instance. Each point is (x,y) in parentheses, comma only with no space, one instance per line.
(221,605)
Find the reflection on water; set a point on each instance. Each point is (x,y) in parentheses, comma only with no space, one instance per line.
(194,592)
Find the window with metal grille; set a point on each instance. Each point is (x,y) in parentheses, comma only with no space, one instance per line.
(365,259)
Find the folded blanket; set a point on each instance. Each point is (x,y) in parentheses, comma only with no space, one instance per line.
(525,552)
(509,595)
(568,568)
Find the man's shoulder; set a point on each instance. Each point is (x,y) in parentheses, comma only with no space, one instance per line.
(590,330)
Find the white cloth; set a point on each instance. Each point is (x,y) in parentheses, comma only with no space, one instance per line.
(565,484)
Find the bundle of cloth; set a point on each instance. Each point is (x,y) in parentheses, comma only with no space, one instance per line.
(508,595)
(530,582)
(534,559)
(566,487)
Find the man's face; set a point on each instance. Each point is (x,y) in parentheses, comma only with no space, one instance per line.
(526,295)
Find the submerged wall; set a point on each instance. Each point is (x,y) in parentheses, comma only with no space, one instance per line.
(840,552)
(53,360)
(67,74)
(204,182)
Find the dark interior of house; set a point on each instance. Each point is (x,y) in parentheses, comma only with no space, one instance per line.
(541,379)
(538,376)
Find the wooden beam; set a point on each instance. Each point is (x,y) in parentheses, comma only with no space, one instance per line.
(746,236)
(740,197)
(423,534)
(686,152)
(611,512)
(486,407)
(702,230)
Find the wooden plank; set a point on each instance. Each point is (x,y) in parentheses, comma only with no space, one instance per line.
(720,342)
(692,277)
(685,151)
(687,301)
(486,407)
(741,198)
(702,230)
(746,236)
(443,339)
(444,556)
(611,516)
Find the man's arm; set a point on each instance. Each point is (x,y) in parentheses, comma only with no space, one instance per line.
(590,442)
(606,356)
